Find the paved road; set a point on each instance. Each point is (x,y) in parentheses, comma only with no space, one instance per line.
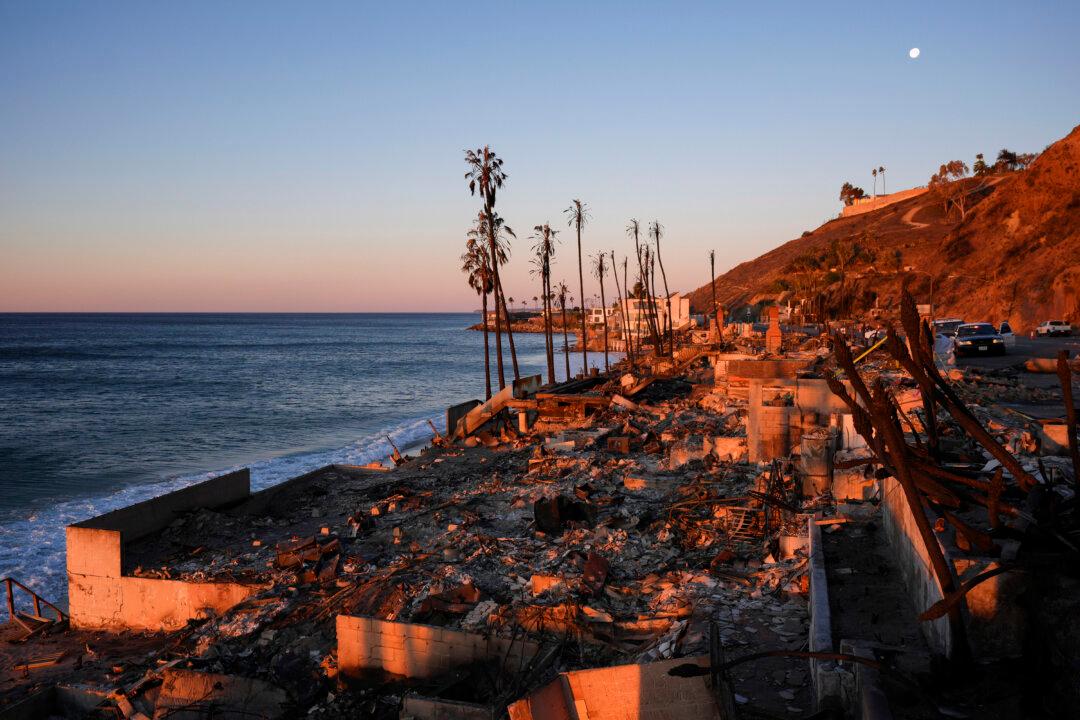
(1025,348)
(1028,348)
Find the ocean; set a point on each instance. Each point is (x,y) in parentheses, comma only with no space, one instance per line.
(99,411)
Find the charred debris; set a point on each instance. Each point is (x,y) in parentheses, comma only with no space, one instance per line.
(787,525)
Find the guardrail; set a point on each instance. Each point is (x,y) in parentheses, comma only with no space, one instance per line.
(10,584)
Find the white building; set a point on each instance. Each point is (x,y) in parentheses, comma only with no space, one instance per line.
(595,316)
(639,313)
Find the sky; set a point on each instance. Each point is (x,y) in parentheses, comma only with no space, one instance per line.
(308,157)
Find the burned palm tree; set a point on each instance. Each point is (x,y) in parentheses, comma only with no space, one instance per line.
(633,229)
(626,309)
(562,292)
(622,306)
(577,216)
(544,250)
(649,288)
(474,263)
(477,240)
(486,177)
(712,285)
(600,269)
(656,231)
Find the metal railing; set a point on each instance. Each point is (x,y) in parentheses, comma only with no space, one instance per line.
(10,585)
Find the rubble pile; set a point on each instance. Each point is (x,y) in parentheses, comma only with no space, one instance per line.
(617,519)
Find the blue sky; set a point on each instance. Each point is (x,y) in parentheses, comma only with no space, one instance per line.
(291,156)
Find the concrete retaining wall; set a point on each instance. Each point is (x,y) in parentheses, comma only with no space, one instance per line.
(911,557)
(823,672)
(866,205)
(100,597)
(259,503)
(419,651)
(142,519)
(134,603)
(993,617)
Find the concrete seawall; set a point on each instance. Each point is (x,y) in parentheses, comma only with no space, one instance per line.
(101,597)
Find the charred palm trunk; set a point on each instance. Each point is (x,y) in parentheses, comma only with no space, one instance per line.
(651,289)
(496,287)
(549,340)
(667,299)
(626,310)
(565,339)
(509,333)
(581,297)
(603,307)
(645,302)
(622,307)
(487,350)
(712,273)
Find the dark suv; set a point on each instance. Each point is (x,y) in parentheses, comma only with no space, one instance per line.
(978,339)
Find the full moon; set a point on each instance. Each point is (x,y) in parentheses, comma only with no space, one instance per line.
(913,53)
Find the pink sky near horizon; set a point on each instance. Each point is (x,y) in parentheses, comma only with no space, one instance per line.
(331,274)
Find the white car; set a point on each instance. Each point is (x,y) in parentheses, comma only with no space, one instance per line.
(1051,328)
(1007,334)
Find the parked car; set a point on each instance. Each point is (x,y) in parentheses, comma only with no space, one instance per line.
(979,339)
(947,326)
(1006,333)
(1050,328)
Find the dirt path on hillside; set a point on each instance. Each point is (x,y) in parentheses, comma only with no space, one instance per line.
(907,219)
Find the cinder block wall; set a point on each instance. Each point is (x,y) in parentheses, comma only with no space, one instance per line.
(419,651)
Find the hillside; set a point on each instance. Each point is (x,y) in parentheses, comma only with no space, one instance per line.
(1015,256)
